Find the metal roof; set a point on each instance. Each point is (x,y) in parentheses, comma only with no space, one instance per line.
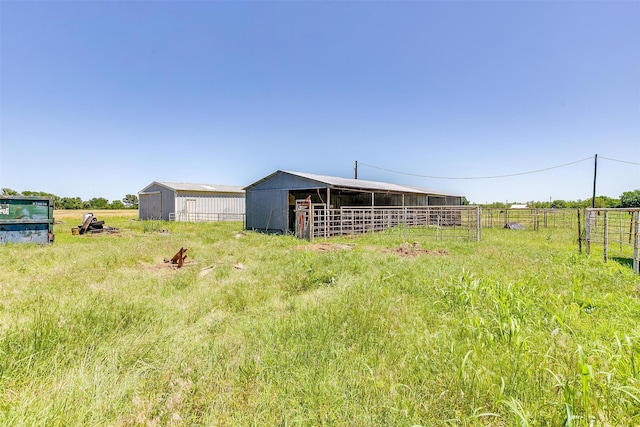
(359,184)
(185,186)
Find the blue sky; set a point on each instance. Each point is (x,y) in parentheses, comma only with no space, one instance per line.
(100,98)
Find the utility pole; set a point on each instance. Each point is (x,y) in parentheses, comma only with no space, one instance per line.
(595,173)
(355,168)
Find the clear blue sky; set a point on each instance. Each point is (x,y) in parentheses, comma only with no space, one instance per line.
(100,98)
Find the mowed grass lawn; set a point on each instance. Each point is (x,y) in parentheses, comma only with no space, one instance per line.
(518,329)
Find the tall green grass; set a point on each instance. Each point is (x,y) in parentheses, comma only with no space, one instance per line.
(519,329)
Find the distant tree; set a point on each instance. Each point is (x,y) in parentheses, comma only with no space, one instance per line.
(130,201)
(9,192)
(495,205)
(464,201)
(36,193)
(99,203)
(56,199)
(69,203)
(599,202)
(607,202)
(559,204)
(117,204)
(630,199)
(538,205)
(580,204)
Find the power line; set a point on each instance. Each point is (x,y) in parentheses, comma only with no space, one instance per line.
(621,161)
(482,177)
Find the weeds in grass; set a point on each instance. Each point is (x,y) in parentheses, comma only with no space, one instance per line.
(518,329)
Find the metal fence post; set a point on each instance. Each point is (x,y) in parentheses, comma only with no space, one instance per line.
(587,234)
(636,261)
(579,233)
(606,235)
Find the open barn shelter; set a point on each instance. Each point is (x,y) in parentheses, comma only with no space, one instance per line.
(177,201)
(271,201)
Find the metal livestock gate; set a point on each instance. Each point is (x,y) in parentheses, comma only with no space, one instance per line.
(616,230)
(315,220)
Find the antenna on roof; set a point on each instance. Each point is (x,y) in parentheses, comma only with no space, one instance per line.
(355,168)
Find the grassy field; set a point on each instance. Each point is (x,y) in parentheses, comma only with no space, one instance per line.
(517,330)
(76,215)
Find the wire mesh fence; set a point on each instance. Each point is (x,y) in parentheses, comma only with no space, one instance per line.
(616,231)
(530,218)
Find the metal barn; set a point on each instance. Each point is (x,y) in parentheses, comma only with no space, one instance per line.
(177,201)
(271,201)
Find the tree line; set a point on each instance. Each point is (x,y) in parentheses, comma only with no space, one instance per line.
(130,201)
(628,199)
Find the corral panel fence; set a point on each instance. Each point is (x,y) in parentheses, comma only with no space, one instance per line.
(617,230)
(461,222)
(534,219)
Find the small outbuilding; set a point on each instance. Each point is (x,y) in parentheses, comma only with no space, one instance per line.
(178,201)
(271,201)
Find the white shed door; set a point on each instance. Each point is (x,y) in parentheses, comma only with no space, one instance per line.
(190,208)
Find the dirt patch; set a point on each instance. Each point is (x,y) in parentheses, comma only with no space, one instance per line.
(322,247)
(170,266)
(412,250)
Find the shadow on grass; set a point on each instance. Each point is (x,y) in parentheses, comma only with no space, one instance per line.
(627,262)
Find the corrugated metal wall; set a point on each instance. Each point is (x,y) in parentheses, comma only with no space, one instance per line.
(160,202)
(194,206)
(267,210)
(268,201)
(148,208)
(150,205)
